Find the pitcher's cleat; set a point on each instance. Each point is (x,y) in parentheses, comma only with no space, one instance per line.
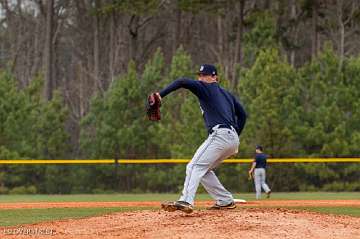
(268,194)
(184,206)
(168,206)
(177,205)
(231,205)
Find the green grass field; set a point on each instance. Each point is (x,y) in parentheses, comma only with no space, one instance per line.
(163,197)
(350,211)
(12,217)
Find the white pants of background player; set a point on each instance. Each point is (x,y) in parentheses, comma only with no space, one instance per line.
(259,179)
(220,144)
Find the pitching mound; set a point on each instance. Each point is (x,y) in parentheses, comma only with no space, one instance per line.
(239,223)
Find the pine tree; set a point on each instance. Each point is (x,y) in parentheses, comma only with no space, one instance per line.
(267,92)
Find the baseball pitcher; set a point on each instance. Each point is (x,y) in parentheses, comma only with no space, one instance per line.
(258,172)
(224,119)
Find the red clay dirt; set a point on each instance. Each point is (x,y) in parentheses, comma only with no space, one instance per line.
(243,222)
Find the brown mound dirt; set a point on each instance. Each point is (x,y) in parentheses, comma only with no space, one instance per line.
(262,223)
(265,203)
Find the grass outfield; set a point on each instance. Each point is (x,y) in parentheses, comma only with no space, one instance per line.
(350,211)
(12,217)
(164,197)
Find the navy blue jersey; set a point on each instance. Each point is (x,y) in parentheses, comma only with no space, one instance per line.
(260,160)
(217,105)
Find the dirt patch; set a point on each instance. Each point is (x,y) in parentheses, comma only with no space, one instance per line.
(263,203)
(264,223)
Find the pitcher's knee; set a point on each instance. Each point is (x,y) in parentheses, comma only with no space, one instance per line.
(203,167)
(189,168)
(199,170)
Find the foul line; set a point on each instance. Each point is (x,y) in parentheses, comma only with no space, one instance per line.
(172,161)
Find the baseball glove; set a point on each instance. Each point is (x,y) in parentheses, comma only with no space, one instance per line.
(153,107)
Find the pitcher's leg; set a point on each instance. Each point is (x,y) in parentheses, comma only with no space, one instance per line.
(190,165)
(210,181)
(193,172)
(186,181)
(216,190)
(197,174)
(218,146)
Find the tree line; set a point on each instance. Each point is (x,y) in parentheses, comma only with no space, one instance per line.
(80,47)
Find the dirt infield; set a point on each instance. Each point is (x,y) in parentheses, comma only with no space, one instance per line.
(243,222)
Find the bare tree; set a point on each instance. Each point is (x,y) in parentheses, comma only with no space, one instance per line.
(98,83)
(48,50)
(341,26)
(314,27)
(348,28)
(293,13)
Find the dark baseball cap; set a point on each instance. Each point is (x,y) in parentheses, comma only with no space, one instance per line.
(259,147)
(207,69)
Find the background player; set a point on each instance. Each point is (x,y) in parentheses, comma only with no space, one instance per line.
(258,171)
(224,119)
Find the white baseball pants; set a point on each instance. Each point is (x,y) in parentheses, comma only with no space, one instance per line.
(220,144)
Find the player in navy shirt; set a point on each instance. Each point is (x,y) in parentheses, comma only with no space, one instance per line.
(224,120)
(217,105)
(258,172)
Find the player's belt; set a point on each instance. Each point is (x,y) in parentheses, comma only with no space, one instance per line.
(221,126)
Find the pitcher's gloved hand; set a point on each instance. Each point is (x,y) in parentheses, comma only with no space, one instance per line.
(153,107)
